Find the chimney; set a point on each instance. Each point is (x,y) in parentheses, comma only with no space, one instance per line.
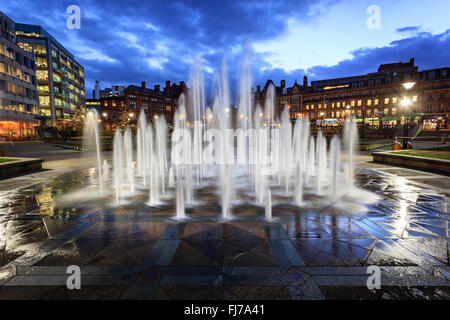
(182,84)
(305,82)
(143,84)
(258,88)
(157,87)
(167,84)
(283,83)
(411,62)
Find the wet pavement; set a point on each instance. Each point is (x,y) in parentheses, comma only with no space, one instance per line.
(140,252)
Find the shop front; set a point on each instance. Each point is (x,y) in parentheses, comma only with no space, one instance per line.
(435,122)
(17,126)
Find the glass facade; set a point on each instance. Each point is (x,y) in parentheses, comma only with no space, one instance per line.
(18,86)
(60,77)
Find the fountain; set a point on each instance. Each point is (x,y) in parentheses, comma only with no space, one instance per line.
(266,155)
(117,164)
(91,141)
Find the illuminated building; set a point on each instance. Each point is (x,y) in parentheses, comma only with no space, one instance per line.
(93,104)
(114,91)
(18,91)
(374,99)
(60,77)
(125,109)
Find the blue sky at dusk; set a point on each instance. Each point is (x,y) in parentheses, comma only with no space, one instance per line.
(126,42)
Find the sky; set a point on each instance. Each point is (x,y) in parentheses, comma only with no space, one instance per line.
(126,42)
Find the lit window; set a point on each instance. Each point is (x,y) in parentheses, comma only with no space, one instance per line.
(394,100)
(369,102)
(376,102)
(386,101)
(359,103)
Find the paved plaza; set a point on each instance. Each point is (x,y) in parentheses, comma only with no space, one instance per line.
(141,252)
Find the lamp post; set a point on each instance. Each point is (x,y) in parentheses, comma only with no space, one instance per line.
(406,102)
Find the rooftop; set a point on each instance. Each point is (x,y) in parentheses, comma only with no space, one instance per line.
(35,29)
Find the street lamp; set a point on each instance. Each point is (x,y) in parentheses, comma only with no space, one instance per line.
(408,85)
(406,102)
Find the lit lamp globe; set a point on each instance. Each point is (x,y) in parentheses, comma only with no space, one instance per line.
(408,85)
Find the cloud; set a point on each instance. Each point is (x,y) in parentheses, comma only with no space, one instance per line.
(429,50)
(153,41)
(157,40)
(412,29)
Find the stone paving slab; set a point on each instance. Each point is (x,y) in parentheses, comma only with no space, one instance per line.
(137,252)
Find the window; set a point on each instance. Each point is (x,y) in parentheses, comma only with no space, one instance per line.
(394,100)
(369,102)
(12,88)
(376,102)
(386,101)
(359,103)
(394,111)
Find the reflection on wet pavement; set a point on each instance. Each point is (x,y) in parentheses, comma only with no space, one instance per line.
(312,252)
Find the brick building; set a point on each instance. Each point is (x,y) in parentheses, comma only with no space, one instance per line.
(375,98)
(125,109)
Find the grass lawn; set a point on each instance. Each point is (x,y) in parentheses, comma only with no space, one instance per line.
(3,160)
(419,154)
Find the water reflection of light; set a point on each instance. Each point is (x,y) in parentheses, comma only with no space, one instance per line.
(45,201)
(2,231)
(405,190)
(401,214)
